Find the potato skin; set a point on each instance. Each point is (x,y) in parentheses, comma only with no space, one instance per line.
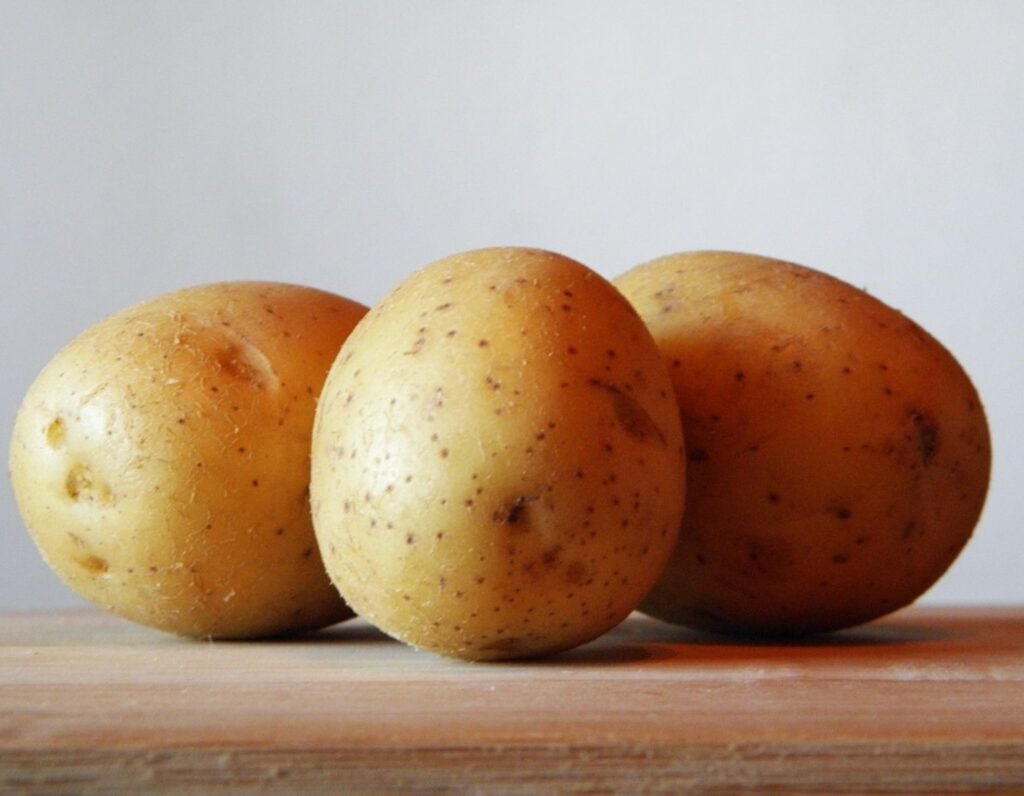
(495,458)
(160,460)
(838,456)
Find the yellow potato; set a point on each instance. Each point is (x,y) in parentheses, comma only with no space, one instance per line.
(495,458)
(161,459)
(838,455)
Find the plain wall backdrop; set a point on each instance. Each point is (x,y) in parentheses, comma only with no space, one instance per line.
(147,146)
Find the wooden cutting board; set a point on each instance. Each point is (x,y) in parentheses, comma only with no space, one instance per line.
(924,701)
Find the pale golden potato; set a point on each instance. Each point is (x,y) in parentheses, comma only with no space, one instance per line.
(161,459)
(838,456)
(496,458)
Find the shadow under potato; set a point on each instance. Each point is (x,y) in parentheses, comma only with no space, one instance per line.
(644,640)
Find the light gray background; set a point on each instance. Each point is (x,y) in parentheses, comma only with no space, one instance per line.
(147,146)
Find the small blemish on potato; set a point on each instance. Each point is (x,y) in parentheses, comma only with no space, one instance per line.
(927,435)
(550,557)
(629,414)
(841,511)
(840,558)
(94,565)
(79,484)
(55,434)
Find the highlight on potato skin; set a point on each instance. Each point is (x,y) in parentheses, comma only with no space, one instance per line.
(161,460)
(838,455)
(495,458)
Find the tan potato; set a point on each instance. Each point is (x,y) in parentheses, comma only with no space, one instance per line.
(838,455)
(160,460)
(495,458)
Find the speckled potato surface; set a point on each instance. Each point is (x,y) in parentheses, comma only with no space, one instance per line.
(838,456)
(161,460)
(495,458)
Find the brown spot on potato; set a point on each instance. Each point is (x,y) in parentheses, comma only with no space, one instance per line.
(629,414)
(927,435)
(514,512)
(771,555)
(94,565)
(55,434)
(550,557)
(244,362)
(80,484)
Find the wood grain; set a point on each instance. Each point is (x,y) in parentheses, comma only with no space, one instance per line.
(925,701)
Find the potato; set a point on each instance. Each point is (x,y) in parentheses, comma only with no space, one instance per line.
(161,459)
(495,458)
(838,456)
